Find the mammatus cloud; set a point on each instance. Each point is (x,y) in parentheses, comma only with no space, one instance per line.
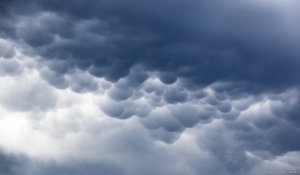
(160,87)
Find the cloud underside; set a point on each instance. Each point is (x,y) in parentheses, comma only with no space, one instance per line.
(160,87)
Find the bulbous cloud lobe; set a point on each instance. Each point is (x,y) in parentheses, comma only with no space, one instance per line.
(246,41)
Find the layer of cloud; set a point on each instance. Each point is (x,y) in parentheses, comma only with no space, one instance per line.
(158,87)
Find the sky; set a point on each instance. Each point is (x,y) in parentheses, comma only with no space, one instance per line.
(161,87)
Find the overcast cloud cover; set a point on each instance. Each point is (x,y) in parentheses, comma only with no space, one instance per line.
(131,87)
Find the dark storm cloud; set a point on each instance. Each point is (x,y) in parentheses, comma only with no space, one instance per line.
(11,164)
(22,165)
(7,50)
(162,118)
(264,141)
(186,114)
(175,95)
(226,148)
(243,52)
(7,164)
(73,169)
(10,67)
(265,135)
(288,109)
(199,40)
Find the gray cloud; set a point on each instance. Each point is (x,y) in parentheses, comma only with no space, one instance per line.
(7,164)
(7,50)
(119,38)
(229,70)
(10,67)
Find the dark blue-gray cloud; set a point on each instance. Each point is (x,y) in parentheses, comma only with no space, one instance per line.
(176,65)
(181,39)
(7,164)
